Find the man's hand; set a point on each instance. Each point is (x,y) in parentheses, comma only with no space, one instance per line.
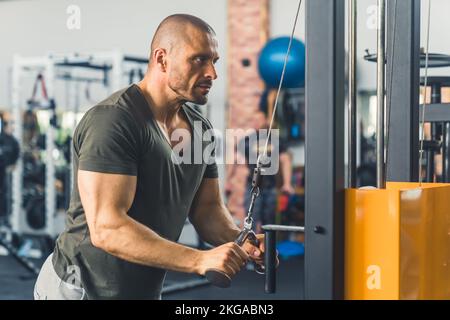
(288,188)
(228,258)
(256,254)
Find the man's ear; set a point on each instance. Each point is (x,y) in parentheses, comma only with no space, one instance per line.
(160,58)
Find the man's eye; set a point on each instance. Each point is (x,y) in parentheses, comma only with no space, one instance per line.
(199,59)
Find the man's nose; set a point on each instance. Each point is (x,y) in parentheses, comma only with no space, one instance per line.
(210,72)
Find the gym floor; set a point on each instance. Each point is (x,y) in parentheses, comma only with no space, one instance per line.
(16,283)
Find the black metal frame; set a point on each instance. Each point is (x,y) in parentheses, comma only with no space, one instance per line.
(403,143)
(325,180)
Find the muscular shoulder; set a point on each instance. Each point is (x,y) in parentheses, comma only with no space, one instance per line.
(112,117)
(122,105)
(102,113)
(106,117)
(123,108)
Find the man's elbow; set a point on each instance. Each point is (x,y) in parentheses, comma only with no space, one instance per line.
(99,239)
(102,237)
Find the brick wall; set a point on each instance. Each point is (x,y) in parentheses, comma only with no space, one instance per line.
(248,30)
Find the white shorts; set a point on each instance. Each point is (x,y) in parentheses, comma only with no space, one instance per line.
(49,286)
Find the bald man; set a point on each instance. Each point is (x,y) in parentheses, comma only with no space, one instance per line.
(130,198)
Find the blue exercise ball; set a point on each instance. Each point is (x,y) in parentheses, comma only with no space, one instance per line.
(271,61)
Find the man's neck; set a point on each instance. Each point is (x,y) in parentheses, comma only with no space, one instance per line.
(163,107)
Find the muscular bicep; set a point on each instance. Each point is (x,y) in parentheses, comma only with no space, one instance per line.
(105,197)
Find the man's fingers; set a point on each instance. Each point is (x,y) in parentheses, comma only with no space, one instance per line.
(241,253)
(255,252)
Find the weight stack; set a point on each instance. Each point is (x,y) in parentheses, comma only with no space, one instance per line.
(397,242)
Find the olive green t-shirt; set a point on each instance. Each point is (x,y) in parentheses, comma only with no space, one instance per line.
(120,136)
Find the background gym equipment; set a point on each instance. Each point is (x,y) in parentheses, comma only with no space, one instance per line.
(438,143)
(9,153)
(436,60)
(271,60)
(291,116)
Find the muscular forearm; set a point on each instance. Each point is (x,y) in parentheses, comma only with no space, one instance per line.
(215,225)
(134,242)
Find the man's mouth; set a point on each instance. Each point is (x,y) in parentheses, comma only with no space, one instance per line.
(204,87)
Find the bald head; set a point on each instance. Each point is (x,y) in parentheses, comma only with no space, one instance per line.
(178,29)
(182,59)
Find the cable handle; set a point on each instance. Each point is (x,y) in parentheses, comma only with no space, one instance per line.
(248,234)
(221,279)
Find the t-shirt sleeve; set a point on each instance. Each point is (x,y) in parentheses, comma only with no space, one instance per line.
(211,171)
(108,141)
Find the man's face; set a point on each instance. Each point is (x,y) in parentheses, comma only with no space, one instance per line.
(192,71)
